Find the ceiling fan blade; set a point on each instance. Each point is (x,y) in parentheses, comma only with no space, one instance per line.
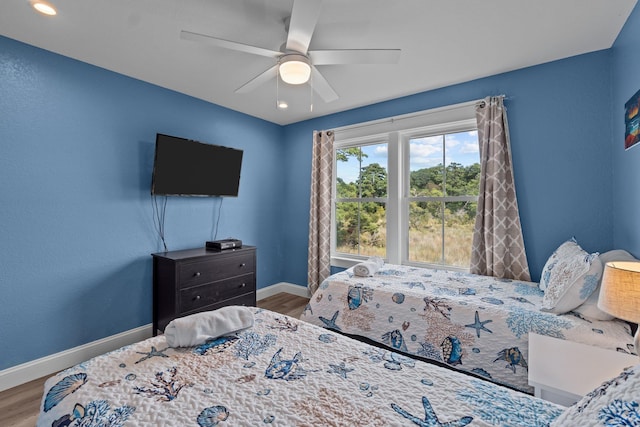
(258,80)
(226,44)
(322,86)
(304,17)
(355,56)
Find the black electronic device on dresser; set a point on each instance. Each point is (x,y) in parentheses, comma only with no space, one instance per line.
(195,280)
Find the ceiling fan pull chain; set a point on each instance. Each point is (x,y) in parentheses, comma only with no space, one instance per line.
(277,88)
(311,93)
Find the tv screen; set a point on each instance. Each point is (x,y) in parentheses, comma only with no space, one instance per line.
(190,168)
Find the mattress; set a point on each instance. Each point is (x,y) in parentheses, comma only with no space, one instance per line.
(281,371)
(468,322)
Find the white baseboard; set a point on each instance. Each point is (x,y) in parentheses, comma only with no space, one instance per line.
(53,363)
(285,287)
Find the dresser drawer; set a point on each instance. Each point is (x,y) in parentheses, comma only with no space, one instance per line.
(205,271)
(200,296)
(248,300)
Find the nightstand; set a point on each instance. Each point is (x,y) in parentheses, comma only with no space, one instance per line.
(563,371)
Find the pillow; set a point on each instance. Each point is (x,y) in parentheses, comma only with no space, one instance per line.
(614,403)
(589,308)
(569,277)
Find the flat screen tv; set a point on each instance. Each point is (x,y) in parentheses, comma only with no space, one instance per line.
(190,168)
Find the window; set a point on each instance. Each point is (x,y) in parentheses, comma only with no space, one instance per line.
(406,189)
(361,200)
(443,183)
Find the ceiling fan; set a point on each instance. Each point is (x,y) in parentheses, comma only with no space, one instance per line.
(295,63)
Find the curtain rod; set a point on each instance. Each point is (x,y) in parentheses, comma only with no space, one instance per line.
(504,97)
(394,119)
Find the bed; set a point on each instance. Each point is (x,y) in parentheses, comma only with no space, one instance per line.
(282,371)
(476,324)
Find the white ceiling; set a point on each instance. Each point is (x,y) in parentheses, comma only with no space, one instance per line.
(443,42)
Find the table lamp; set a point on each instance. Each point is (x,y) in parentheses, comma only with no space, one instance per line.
(620,293)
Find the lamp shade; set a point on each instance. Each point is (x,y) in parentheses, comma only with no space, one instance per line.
(294,69)
(620,290)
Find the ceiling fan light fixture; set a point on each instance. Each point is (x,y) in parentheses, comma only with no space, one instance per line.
(294,69)
(44,7)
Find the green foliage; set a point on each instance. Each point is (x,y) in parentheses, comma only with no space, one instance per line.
(344,154)
(372,181)
(361,226)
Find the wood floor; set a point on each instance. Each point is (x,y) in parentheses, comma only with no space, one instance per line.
(289,304)
(19,406)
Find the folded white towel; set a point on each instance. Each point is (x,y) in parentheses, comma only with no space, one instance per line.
(379,261)
(369,267)
(197,328)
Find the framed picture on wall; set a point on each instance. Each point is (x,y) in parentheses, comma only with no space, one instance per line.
(632,121)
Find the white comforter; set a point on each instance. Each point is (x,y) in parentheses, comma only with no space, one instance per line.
(472,323)
(282,372)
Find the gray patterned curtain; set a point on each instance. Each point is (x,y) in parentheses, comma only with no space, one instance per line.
(320,212)
(498,246)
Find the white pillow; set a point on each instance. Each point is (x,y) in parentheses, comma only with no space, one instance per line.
(569,277)
(589,308)
(614,403)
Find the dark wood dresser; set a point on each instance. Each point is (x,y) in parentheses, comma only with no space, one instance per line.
(194,280)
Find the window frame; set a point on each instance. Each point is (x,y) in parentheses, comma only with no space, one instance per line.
(397,132)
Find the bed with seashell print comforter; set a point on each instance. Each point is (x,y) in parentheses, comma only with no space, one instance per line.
(283,372)
(469,322)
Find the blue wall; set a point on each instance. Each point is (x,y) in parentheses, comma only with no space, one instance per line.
(76,227)
(560,131)
(626,164)
(77,151)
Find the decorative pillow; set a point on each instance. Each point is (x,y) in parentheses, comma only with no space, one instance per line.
(614,403)
(569,277)
(589,308)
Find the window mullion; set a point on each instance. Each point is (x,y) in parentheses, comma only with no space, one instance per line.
(394,192)
(359,223)
(444,193)
(403,197)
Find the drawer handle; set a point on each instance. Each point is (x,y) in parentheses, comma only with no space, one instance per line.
(243,285)
(243,264)
(196,298)
(196,274)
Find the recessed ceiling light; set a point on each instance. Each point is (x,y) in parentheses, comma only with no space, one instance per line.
(44,7)
(282,105)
